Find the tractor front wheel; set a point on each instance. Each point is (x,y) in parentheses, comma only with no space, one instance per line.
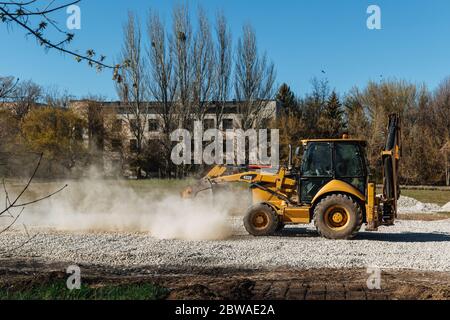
(338,216)
(280,225)
(261,220)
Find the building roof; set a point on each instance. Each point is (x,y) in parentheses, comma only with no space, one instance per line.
(230,107)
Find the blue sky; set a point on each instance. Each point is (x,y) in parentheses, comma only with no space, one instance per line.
(301,37)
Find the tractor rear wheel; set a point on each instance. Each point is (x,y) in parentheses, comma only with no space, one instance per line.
(338,216)
(261,220)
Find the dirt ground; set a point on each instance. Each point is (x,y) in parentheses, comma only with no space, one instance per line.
(235,284)
(210,283)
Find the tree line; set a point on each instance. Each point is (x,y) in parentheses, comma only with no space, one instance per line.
(191,67)
(35,120)
(184,69)
(363,113)
(39,121)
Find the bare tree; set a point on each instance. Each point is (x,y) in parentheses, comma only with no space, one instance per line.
(181,47)
(7,87)
(203,65)
(133,90)
(223,66)
(26,96)
(355,118)
(162,83)
(54,98)
(440,110)
(254,81)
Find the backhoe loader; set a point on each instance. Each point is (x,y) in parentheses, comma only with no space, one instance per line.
(331,187)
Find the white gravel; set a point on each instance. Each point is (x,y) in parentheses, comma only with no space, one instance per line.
(411,205)
(423,245)
(446,207)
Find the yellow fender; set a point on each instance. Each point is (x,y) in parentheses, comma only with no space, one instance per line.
(338,186)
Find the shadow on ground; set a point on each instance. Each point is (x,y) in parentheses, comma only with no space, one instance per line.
(404,237)
(373,236)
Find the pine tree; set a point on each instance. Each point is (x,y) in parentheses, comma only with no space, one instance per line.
(331,123)
(287,99)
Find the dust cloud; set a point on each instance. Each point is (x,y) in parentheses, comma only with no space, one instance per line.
(96,205)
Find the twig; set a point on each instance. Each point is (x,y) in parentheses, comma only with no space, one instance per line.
(21,17)
(12,205)
(13,222)
(7,201)
(19,246)
(40,199)
(43,12)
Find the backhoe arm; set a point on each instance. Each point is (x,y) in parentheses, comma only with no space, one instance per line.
(391,159)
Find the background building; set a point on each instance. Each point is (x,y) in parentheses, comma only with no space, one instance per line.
(110,130)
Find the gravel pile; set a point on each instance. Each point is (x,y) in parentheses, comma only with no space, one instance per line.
(411,205)
(409,244)
(446,207)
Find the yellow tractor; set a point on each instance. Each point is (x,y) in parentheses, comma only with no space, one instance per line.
(331,187)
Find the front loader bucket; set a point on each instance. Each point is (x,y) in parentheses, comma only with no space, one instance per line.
(192,191)
(203,184)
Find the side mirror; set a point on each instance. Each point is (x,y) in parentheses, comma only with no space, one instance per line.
(298,151)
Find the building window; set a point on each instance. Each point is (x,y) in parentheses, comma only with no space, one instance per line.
(133,145)
(208,124)
(116,145)
(117,125)
(227,124)
(153,125)
(133,124)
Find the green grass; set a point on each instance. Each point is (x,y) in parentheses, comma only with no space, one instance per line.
(161,187)
(57,290)
(431,196)
(158,185)
(440,197)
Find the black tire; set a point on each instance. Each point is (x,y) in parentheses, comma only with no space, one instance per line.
(338,216)
(261,220)
(280,225)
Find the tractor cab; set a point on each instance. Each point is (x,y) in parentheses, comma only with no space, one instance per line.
(327,160)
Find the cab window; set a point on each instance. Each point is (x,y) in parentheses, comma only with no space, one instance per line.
(317,160)
(349,162)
